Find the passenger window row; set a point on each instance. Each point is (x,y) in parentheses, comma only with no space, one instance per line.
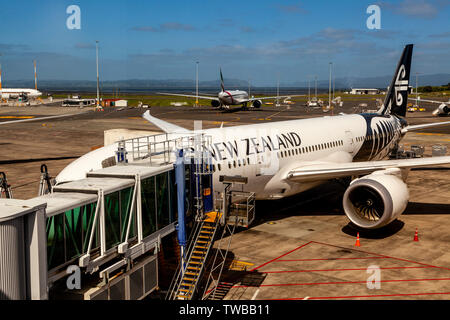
(303,150)
(285,154)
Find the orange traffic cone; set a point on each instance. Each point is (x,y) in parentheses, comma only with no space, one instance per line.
(416,236)
(357,244)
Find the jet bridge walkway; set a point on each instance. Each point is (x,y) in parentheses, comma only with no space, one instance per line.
(109,224)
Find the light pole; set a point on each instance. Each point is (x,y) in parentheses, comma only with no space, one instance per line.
(315,79)
(0,75)
(35,75)
(196,85)
(309,88)
(98,91)
(329,89)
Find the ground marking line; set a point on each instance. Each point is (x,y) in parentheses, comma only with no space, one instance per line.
(380,255)
(287,260)
(285,254)
(341,282)
(344,269)
(369,296)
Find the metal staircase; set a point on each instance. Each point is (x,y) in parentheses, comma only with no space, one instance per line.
(184,285)
(219,261)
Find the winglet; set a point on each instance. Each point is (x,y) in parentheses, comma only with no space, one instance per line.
(163,125)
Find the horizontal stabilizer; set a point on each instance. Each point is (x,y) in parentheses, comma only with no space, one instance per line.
(424,126)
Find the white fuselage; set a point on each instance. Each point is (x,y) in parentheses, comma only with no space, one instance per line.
(233,97)
(262,152)
(14,93)
(265,152)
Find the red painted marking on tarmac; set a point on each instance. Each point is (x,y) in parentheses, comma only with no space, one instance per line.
(330,259)
(340,282)
(285,254)
(380,255)
(369,296)
(345,269)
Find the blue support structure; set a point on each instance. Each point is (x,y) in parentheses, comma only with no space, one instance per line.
(181,194)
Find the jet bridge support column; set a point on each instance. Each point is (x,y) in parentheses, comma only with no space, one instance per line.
(181,195)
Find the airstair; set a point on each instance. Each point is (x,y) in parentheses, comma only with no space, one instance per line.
(185,284)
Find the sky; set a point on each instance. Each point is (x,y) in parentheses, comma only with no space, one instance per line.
(260,41)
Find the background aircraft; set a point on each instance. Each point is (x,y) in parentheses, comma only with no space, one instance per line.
(443,109)
(19,93)
(227,98)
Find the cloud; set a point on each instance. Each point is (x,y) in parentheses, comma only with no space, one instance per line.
(168,26)
(417,8)
(247,29)
(8,48)
(293,8)
(84,45)
(440,35)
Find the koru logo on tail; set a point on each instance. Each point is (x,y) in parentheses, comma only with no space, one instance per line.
(401,85)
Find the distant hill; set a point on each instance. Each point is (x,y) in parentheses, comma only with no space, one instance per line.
(123,85)
(141,85)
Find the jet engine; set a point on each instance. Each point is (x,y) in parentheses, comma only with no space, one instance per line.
(257,104)
(442,110)
(375,200)
(215,103)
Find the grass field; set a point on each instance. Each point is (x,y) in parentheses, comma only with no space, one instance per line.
(154,100)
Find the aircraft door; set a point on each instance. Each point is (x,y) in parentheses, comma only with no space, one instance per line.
(349,141)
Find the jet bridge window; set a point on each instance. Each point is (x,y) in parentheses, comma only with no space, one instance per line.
(159,202)
(163,200)
(68,235)
(117,207)
(148,206)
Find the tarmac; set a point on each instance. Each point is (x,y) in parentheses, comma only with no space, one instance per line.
(297,248)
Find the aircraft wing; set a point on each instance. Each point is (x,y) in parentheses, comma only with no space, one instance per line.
(431,101)
(279,97)
(189,96)
(332,170)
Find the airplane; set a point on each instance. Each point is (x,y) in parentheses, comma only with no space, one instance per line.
(17,93)
(441,111)
(284,158)
(227,98)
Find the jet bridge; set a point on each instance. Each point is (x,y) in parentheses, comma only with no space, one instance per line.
(110,225)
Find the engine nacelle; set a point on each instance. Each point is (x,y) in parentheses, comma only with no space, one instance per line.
(375,200)
(257,104)
(215,103)
(442,110)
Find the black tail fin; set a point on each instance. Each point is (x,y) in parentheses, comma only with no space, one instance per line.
(221,80)
(396,98)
